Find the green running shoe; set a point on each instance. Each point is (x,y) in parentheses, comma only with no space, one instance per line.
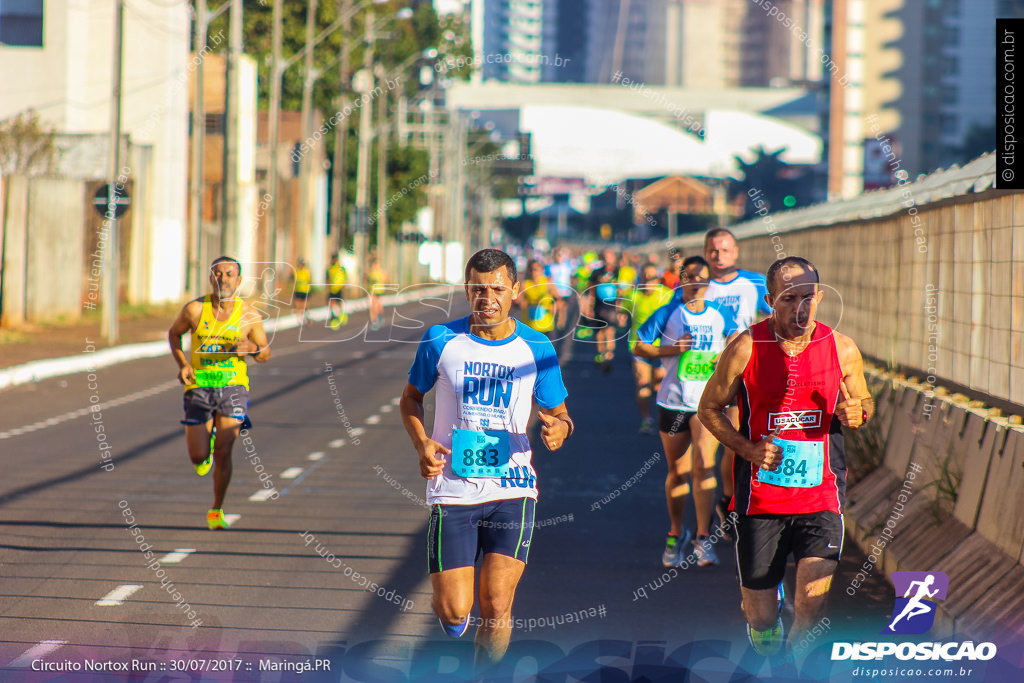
(766,643)
(203,468)
(215,520)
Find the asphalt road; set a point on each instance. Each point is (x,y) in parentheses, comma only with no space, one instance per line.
(291,584)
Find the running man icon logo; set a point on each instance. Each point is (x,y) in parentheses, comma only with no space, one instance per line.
(915,611)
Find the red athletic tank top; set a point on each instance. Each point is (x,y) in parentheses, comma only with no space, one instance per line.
(799,394)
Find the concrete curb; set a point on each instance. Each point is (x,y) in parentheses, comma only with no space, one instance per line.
(38,370)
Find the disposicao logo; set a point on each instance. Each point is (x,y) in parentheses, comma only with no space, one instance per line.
(917,594)
(914,612)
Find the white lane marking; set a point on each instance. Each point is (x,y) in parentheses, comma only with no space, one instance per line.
(396,400)
(118,595)
(82,412)
(320,454)
(373,419)
(357,431)
(291,473)
(259,496)
(231,519)
(386,409)
(177,556)
(37,651)
(337,443)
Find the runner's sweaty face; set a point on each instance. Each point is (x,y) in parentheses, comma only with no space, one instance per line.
(721,252)
(225,279)
(795,301)
(490,296)
(694,281)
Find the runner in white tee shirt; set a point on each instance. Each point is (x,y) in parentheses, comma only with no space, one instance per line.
(488,371)
(742,291)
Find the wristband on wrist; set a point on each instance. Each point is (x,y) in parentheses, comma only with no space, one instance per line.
(564,417)
(256,352)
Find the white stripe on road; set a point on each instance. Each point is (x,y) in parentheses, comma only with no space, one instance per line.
(320,454)
(118,595)
(177,556)
(259,496)
(396,400)
(357,431)
(386,409)
(231,519)
(291,473)
(337,443)
(81,412)
(373,419)
(37,652)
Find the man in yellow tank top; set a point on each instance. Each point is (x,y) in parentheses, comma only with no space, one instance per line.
(537,300)
(336,278)
(224,331)
(303,279)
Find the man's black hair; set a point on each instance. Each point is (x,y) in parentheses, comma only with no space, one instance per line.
(717,232)
(221,259)
(690,260)
(779,264)
(488,260)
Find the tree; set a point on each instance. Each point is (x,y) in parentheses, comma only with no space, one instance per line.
(27,146)
(399,41)
(780,185)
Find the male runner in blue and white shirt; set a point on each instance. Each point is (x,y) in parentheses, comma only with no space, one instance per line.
(743,292)
(488,371)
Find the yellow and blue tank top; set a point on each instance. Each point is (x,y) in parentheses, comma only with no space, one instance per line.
(212,341)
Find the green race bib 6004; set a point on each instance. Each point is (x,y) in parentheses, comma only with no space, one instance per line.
(480,453)
(697,366)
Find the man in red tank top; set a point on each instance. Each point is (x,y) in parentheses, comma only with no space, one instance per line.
(797,383)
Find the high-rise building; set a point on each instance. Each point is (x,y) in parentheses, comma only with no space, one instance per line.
(514,40)
(921,79)
(705,43)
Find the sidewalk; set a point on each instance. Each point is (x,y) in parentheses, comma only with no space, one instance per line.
(39,342)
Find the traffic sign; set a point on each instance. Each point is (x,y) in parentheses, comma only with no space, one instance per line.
(121,200)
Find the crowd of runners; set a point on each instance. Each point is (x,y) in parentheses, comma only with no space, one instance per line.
(747,391)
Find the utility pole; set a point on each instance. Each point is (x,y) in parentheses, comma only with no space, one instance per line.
(229,208)
(365,137)
(306,164)
(198,131)
(110,257)
(273,128)
(339,167)
(382,182)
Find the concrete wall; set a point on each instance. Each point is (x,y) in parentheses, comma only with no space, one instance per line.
(52,247)
(966,260)
(939,293)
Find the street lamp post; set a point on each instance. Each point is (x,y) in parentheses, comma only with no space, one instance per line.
(365,136)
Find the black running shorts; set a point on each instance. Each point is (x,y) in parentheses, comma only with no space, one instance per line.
(764,542)
(674,421)
(202,402)
(458,534)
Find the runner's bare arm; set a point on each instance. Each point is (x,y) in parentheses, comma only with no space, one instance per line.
(721,391)
(255,344)
(411,409)
(184,324)
(558,426)
(651,351)
(856,405)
